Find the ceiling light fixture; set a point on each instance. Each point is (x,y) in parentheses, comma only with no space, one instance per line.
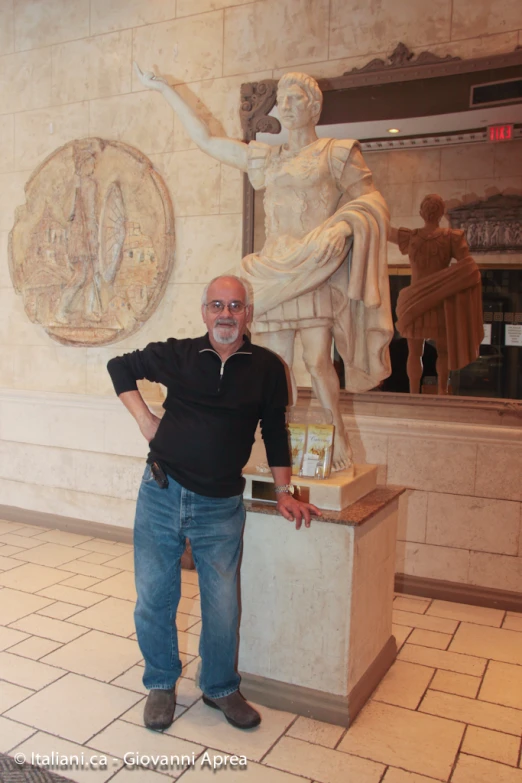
(394,130)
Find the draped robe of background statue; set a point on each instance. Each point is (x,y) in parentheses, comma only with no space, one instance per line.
(322,270)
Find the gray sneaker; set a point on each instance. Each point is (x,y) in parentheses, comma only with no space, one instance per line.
(236,710)
(159,709)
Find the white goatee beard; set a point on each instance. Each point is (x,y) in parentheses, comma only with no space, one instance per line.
(223,339)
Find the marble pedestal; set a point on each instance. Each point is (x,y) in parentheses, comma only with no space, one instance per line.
(316,624)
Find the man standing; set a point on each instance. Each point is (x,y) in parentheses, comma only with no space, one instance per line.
(218,388)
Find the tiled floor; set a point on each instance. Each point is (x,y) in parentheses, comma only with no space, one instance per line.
(450,709)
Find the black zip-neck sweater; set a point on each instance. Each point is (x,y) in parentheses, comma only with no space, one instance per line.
(212,409)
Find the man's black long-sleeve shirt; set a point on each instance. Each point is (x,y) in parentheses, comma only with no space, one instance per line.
(212,409)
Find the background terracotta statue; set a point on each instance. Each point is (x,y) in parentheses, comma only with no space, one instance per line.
(322,270)
(443,302)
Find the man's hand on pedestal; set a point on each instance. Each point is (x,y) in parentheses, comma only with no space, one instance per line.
(292,509)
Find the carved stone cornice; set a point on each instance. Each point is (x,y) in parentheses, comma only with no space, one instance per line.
(257,100)
(402,57)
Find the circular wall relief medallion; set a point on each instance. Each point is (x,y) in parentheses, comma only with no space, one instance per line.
(91,249)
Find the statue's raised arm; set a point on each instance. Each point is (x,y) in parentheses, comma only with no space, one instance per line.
(230,151)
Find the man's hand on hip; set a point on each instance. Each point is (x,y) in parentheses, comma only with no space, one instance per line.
(149,426)
(291,509)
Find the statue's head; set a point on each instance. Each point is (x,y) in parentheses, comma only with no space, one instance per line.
(432,208)
(84,158)
(299,100)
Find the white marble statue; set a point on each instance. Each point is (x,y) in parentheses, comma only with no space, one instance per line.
(322,270)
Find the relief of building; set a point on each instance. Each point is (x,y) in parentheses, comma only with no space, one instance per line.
(91,250)
(493,225)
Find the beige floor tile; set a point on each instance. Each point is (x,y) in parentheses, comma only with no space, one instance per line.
(43,744)
(184,658)
(189,576)
(30,577)
(135,714)
(81,582)
(190,669)
(185,621)
(188,590)
(491,745)
(31,530)
(459,684)
(316,732)
(131,680)
(64,537)
(95,557)
(104,547)
(471,769)
(472,711)
(495,643)
(94,706)
(112,615)
(9,527)
(27,673)
(34,648)
(401,633)
(71,595)
(92,570)
(98,655)
(9,637)
(128,775)
(12,694)
(411,604)
(20,541)
(16,604)
(7,550)
(513,622)
(187,692)
(427,622)
(59,610)
(414,741)
(119,586)
(209,727)
(203,771)
(7,563)
(122,737)
(188,643)
(404,684)
(52,555)
(502,684)
(49,628)
(123,562)
(441,659)
(470,614)
(196,628)
(322,764)
(11,734)
(400,776)
(190,606)
(430,638)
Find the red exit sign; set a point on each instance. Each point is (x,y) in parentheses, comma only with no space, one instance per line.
(500,132)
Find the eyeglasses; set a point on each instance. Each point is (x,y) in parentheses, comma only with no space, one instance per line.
(233,307)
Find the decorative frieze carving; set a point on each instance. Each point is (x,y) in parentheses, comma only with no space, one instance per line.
(402,57)
(493,225)
(91,249)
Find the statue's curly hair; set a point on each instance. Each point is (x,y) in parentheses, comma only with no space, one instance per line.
(432,207)
(307,83)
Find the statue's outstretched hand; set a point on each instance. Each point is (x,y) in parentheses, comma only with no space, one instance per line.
(149,79)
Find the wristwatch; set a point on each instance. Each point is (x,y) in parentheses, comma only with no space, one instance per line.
(284,489)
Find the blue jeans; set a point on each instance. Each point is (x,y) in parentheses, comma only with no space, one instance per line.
(214,527)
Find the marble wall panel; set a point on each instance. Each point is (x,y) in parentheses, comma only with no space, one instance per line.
(141,119)
(121,14)
(193,180)
(275,33)
(53,368)
(7,357)
(433,562)
(5,277)
(15,327)
(122,435)
(34,140)
(453,191)
(42,24)
(497,571)
(413,513)
(26,80)
(11,195)
(206,247)
(484,188)
(230,191)
(508,159)
(92,67)
(432,464)
(364,28)
(328,68)
(378,163)
(484,525)
(368,448)
(399,198)
(191,7)
(48,467)
(467,161)
(498,471)
(413,165)
(98,379)
(6,27)
(482,17)
(183,50)
(477,47)
(6,142)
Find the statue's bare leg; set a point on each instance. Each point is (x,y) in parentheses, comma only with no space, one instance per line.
(441,345)
(282,343)
(317,350)
(414,365)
